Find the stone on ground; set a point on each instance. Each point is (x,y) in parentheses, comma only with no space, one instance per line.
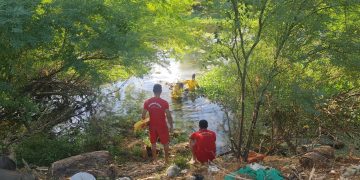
(97,163)
(318,157)
(172,171)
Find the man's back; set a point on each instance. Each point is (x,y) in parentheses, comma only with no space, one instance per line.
(156,108)
(205,148)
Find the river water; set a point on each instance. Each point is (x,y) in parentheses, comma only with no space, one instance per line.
(186,113)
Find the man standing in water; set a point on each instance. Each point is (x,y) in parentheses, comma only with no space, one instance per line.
(202,144)
(158,110)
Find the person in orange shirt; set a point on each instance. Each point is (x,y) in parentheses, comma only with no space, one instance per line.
(191,84)
(202,144)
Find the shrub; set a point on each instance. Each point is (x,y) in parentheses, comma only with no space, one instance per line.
(181,161)
(42,150)
(180,137)
(137,151)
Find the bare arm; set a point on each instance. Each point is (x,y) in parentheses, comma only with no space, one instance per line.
(191,145)
(170,119)
(143,116)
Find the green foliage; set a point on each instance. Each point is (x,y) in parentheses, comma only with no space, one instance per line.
(120,155)
(137,151)
(219,84)
(300,58)
(55,54)
(62,49)
(43,150)
(180,138)
(182,162)
(304,54)
(105,133)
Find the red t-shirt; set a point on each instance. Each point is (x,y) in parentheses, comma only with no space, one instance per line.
(156,108)
(205,148)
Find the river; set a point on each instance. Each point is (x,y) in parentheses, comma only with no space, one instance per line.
(188,112)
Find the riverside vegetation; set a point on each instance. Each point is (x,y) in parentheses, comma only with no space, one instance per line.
(285,72)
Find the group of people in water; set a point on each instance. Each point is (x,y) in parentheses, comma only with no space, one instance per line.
(201,142)
(178,89)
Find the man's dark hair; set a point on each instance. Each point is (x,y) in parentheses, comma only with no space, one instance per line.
(157,89)
(203,124)
(193,76)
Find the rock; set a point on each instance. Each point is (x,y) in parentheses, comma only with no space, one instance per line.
(312,159)
(7,163)
(318,157)
(326,151)
(330,141)
(97,163)
(195,177)
(14,175)
(301,149)
(8,170)
(351,171)
(82,176)
(172,171)
(190,178)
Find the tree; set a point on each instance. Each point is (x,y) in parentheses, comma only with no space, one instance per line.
(55,54)
(262,39)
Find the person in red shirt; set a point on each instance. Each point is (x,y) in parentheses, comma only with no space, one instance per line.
(158,127)
(202,143)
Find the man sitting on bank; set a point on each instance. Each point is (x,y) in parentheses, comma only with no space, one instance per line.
(202,143)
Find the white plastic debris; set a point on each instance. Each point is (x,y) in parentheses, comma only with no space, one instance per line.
(213,169)
(256,166)
(184,171)
(332,172)
(82,176)
(123,178)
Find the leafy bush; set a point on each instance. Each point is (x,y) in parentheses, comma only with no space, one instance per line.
(43,150)
(137,151)
(120,155)
(181,162)
(180,138)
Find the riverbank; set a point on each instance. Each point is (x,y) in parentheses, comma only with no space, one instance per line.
(290,168)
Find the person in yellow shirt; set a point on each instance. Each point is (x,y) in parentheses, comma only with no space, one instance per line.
(191,84)
(177,90)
